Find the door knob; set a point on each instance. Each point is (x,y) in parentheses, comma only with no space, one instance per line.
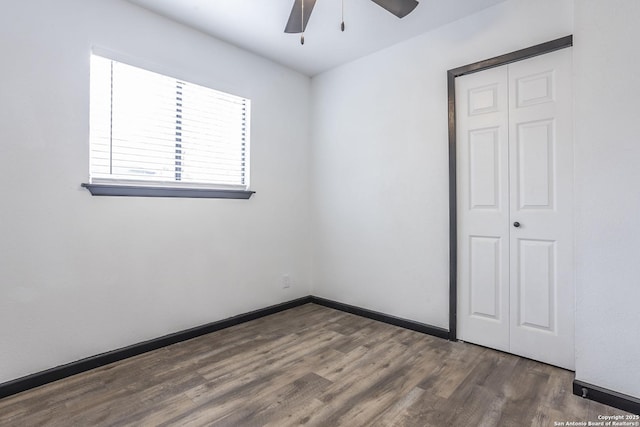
(516,224)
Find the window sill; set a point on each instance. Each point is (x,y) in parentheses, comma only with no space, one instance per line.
(143,191)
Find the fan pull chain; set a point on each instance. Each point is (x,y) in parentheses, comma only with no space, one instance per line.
(342,24)
(302,23)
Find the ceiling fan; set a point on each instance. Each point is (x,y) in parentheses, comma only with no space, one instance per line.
(301,11)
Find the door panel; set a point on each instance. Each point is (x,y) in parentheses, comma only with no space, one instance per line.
(485,277)
(536,284)
(541,197)
(483,193)
(484,169)
(515,165)
(483,99)
(535,166)
(534,89)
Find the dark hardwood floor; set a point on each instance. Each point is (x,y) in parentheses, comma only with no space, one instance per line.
(311,366)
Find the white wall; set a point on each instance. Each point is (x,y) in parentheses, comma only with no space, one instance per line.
(80,275)
(606,64)
(380,165)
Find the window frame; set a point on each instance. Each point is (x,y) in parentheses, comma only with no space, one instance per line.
(141,188)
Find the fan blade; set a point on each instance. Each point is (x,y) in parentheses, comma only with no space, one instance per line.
(400,8)
(294,25)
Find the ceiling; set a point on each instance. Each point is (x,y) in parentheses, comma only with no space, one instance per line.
(258,26)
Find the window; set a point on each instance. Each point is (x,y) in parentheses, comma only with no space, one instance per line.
(149,131)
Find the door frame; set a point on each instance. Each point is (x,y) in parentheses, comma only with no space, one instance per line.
(475,67)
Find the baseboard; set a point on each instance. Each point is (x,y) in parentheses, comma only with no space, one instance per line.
(580,388)
(375,315)
(607,397)
(40,378)
(60,372)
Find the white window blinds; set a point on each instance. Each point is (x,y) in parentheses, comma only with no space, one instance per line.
(150,129)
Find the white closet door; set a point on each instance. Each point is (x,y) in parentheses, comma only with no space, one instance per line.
(541,183)
(515,232)
(483,208)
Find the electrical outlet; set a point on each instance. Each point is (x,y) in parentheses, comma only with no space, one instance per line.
(286,281)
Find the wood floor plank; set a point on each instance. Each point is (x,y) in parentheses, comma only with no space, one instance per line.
(298,416)
(523,393)
(311,366)
(220,400)
(429,410)
(392,414)
(450,373)
(364,401)
(259,413)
